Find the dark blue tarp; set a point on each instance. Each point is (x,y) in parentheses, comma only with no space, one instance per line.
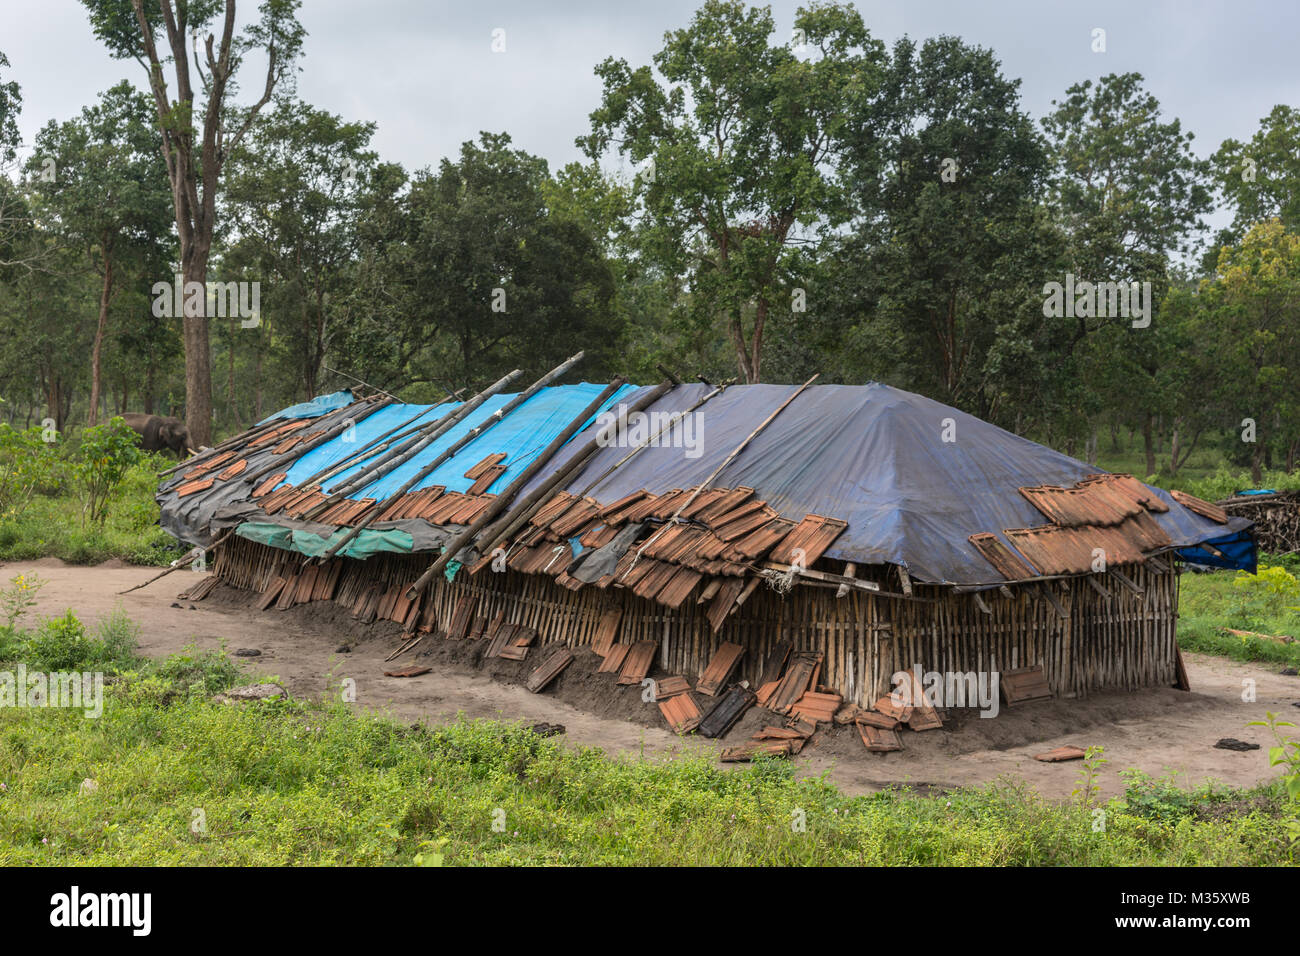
(871,455)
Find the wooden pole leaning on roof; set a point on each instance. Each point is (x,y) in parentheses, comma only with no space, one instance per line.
(517,516)
(395,457)
(378,444)
(725,462)
(329,434)
(243,438)
(180,562)
(450,452)
(499,504)
(672,420)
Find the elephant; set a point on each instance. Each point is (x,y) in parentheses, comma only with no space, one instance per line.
(157,433)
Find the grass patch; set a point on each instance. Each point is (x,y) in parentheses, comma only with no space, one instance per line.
(181,779)
(1266,603)
(51,525)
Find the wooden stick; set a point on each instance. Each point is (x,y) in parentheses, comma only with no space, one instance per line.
(726,461)
(501,501)
(673,420)
(521,513)
(329,434)
(179,562)
(403,453)
(369,448)
(451,451)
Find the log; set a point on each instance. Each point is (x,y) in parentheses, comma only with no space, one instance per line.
(329,435)
(430,433)
(377,444)
(520,514)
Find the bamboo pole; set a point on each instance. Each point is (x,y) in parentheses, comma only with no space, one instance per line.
(451,451)
(329,435)
(501,501)
(369,449)
(394,457)
(725,462)
(179,562)
(426,436)
(673,420)
(520,514)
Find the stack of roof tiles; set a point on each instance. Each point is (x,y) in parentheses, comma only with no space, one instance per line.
(1106,516)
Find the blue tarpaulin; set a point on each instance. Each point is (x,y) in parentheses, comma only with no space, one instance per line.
(521,436)
(315,408)
(913,478)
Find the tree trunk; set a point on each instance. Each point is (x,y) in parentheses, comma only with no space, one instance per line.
(1148,442)
(756,343)
(1174,449)
(198,358)
(149,372)
(97,351)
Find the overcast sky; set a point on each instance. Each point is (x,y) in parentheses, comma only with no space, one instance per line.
(426,74)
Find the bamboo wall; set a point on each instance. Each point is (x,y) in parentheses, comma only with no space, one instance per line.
(1120,641)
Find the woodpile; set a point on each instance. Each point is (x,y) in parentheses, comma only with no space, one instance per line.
(1276,517)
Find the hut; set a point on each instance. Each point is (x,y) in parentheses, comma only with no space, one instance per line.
(861,530)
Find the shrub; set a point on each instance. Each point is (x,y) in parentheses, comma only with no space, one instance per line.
(26,462)
(62,644)
(199,672)
(106,454)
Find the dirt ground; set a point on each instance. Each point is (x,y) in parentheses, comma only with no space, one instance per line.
(1157,731)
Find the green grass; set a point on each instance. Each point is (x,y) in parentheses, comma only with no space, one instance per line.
(181,779)
(1267,603)
(51,525)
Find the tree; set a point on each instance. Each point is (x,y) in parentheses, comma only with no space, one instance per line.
(1249,310)
(109,197)
(468,271)
(1130,193)
(1261,179)
(742,141)
(15,221)
(196,142)
(941,276)
(294,195)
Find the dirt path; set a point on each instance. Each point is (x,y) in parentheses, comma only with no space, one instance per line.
(1157,731)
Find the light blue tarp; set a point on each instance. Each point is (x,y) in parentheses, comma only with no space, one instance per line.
(317,407)
(522,436)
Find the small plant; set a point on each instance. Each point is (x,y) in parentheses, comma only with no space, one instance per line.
(63,644)
(1088,788)
(1285,754)
(107,453)
(200,672)
(17,598)
(26,463)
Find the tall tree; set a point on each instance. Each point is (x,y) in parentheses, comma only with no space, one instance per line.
(1249,309)
(741,140)
(196,141)
(294,195)
(109,195)
(1260,179)
(1130,193)
(940,277)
